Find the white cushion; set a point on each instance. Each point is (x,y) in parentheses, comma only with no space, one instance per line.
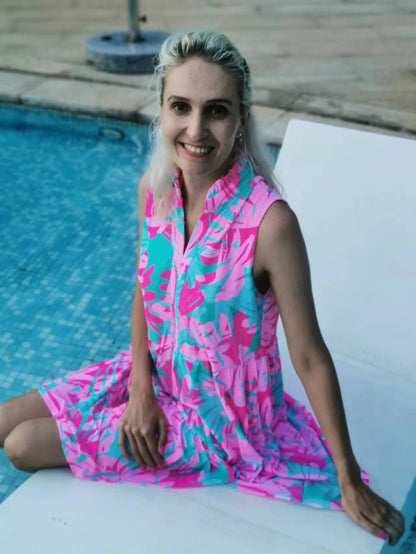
(355,197)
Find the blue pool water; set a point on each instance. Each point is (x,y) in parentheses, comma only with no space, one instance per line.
(68,243)
(68,240)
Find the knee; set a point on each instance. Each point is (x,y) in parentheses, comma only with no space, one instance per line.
(17,447)
(5,424)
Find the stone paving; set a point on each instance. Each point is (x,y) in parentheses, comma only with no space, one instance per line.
(348,62)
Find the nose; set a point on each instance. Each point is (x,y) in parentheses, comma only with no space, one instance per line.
(196,127)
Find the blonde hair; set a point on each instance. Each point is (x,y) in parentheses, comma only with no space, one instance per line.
(216,48)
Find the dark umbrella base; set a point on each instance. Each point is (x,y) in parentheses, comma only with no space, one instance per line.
(112,53)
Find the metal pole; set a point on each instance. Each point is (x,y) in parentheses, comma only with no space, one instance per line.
(134,31)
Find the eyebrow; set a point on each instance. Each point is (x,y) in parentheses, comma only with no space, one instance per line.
(214,100)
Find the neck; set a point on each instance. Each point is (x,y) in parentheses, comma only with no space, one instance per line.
(194,194)
(195,189)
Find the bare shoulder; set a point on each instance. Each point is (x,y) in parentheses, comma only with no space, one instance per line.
(279,233)
(279,221)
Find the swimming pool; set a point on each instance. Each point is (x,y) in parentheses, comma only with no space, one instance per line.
(68,240)
(68,243)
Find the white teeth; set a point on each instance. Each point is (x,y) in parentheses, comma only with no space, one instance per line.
(195,149)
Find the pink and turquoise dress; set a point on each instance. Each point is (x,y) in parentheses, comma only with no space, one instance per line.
(217,373)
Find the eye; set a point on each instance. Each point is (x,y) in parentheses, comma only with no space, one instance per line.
(179,107)
(217,111)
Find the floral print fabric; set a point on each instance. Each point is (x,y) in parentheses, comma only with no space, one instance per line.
(217,372)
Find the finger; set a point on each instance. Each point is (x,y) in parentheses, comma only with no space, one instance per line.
(163,434)
(142,445)
(153,449)
(395,527)
(371,527)
(149,439)
(398,518)
(121,443)
(385,523)
(154,453)
(387,509)
(395,530)
(135,451)
(375,529)
(394,512)
(390,519)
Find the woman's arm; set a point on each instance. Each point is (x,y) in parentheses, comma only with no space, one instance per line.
(143,424)
(141,372)
(288,271)
(141,361)
(281,252)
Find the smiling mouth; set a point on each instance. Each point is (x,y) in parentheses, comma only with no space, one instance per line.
(199,150)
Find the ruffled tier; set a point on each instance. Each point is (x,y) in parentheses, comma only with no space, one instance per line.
(88,405)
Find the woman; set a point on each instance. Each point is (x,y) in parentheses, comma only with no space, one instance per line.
(199,399)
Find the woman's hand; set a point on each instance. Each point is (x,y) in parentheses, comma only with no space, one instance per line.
(371,511)
(145,427)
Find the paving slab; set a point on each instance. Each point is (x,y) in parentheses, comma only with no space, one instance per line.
(94,98)
(267,119)
(89,73)
(276,130)
(375,115)
(27,64)
(13,86)
(354,61)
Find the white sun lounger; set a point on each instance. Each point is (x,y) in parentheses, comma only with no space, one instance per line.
(355,196)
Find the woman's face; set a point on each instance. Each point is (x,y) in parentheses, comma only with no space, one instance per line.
(200,119)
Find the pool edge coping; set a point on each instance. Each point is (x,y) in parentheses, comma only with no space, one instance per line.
(138,105)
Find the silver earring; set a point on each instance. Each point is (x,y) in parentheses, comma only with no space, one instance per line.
(240,138)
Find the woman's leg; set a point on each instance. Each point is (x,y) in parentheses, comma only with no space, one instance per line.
(29,434)
(27,406)
(35,444)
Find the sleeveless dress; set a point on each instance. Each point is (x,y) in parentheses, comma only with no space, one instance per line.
(217,373)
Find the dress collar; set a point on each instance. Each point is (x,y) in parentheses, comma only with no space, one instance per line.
(223,189)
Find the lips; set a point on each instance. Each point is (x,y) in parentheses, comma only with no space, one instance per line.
(196,151)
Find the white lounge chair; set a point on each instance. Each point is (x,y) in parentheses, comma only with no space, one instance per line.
(355,196)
